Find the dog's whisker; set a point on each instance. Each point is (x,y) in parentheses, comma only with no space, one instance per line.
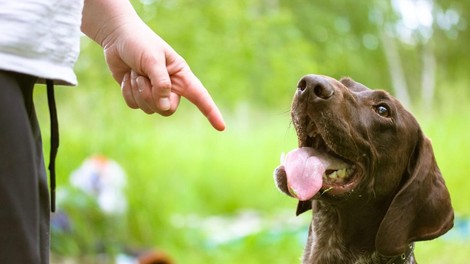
(325,191)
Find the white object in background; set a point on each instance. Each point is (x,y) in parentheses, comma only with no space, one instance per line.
(104,179)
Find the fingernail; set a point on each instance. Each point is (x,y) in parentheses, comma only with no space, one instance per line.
(164,103)
(140,84)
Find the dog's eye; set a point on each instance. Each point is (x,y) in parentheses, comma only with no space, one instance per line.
(382,110)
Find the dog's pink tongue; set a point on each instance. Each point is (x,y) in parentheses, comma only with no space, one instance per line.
(304,173)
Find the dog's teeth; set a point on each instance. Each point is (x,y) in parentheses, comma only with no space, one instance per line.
(283,158)
(349,171)
(341,173)
(333,175)
(339,176)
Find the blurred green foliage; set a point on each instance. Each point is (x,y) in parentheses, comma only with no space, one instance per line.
(256,50)
(249,55)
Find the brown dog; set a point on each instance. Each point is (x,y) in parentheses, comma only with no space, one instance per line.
(366,169)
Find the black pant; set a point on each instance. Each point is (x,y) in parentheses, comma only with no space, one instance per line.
(24,197)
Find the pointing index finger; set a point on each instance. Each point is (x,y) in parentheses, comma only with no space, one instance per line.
(197,94)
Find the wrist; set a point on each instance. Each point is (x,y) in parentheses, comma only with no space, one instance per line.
(102,19)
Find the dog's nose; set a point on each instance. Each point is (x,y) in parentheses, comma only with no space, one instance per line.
(316,85)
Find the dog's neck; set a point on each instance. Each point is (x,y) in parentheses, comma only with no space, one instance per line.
(346,232)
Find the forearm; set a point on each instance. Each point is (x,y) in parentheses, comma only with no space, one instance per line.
(100,18)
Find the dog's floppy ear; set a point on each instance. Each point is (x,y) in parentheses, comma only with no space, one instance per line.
(421,210)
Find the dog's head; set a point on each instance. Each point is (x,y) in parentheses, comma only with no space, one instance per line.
(356,142)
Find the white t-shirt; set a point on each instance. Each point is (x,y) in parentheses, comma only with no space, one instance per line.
(41,38)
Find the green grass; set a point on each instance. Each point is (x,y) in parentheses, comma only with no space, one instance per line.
(180,166)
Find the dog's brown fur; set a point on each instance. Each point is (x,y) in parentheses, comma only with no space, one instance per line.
(398,195)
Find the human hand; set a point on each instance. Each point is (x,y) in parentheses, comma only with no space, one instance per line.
(152,75)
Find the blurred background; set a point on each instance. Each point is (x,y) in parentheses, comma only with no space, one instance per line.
(202,196)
